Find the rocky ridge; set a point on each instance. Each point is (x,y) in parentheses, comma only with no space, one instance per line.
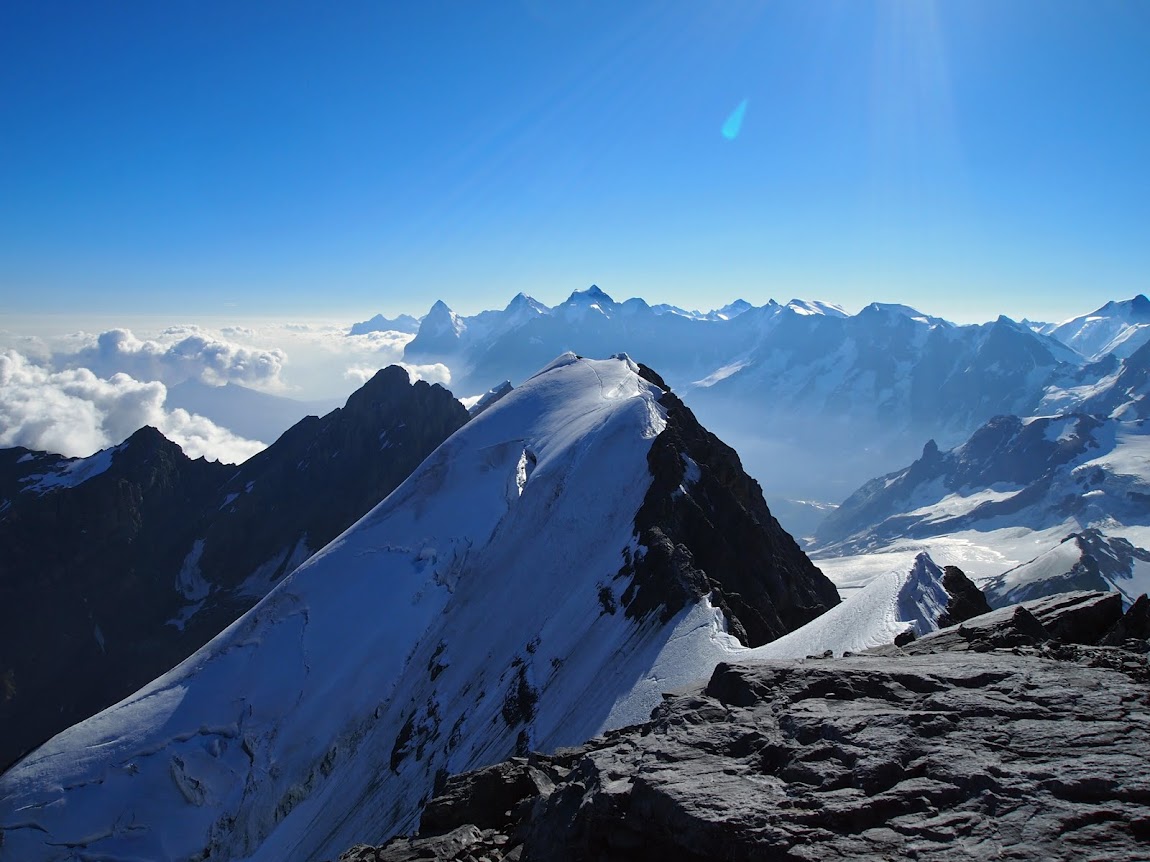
(1011,735)
(707,531)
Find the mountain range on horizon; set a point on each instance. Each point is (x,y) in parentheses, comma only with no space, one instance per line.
(1115,327)
(817,400)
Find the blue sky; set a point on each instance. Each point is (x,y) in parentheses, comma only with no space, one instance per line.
(213,158)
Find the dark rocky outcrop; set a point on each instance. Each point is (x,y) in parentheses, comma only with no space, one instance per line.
(707,530)
(1135,624)
(1023,748)
(1070,618)
(966,600)
(109,582)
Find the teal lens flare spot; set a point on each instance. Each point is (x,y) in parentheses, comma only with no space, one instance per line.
(734,122)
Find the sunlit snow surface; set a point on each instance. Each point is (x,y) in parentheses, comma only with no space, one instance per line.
(910,596)
(70,473)
(321,717)
(1104,488)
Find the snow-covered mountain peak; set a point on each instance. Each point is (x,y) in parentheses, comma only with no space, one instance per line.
(1119,327)
(590,301)
(894,311)
(733,309)
(521,303)
(440,332)
(593,294)
(403,323)
(808,306)
(441,319)
(510,595)
(1084,560)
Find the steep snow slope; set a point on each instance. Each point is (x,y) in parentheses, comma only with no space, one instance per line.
(497,601)
(1117,327)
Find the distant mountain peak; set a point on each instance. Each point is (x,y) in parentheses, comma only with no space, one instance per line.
(521,303)
(896,309)
(736,307)
(379,323)
(814,307)
(439,317)
(592,294)
(1119,327)
(439,332)
(148,436)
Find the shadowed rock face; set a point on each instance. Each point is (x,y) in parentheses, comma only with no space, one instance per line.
(707,530)
(1022,752)
(92,574)
(80,602)
(966,600)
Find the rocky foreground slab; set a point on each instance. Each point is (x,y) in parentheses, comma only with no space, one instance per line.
(989,740)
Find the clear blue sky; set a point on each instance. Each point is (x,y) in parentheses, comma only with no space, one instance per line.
(969,157)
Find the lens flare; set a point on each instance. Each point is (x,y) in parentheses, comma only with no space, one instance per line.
(734,122)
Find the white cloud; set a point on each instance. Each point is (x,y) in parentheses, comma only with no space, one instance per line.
(252,353)
(177,354)
(74,412)
(98,388)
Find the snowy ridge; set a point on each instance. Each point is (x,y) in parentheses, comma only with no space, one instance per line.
(1068,472)
(1089,560)
(907,597)
(1117,327)
(383,659)
(68,473)
(890,604)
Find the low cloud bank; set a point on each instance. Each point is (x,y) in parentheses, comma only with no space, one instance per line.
(180,353)
(77,392)
(75,412)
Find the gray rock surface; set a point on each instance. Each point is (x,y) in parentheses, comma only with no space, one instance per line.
(1019,752)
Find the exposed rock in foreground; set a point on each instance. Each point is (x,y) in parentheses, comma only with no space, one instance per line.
(993,741)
